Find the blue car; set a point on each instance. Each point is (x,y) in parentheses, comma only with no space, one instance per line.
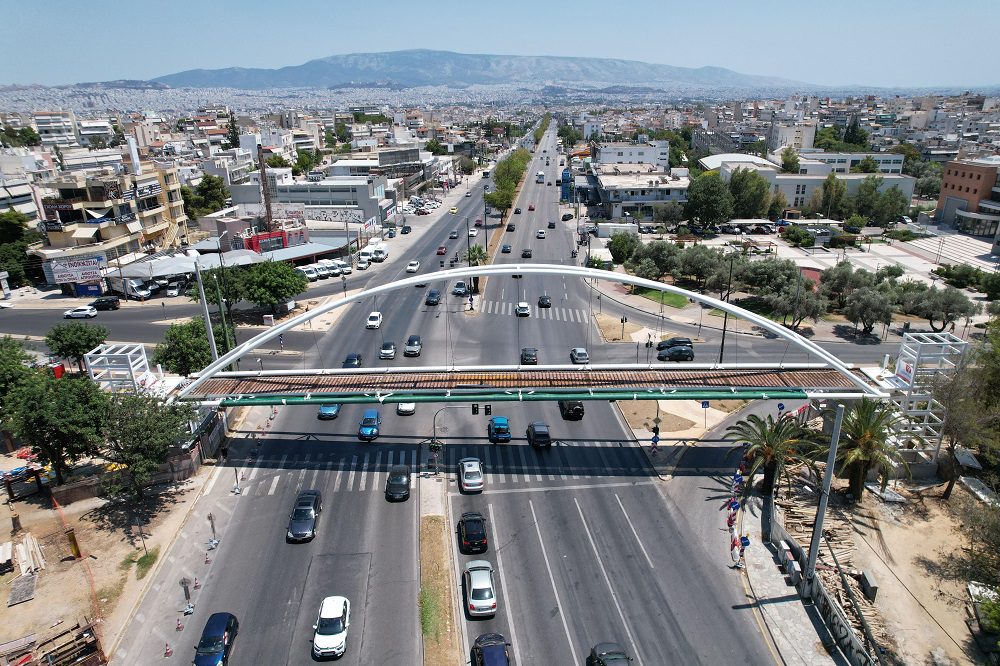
(370,422)
(217,639)
(498,429)
(328,412)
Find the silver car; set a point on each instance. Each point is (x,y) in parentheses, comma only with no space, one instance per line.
(470,475)
(579,355)
(480,592)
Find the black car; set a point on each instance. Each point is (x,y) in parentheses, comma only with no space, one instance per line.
(505,249)
(352,361)
(538,434)
(433,297)
(405,229)
(673,342)
(545,301)
(490,650)
(571,410)
(217,639)
(472,533)
(526,253)
(552,225)
(567,217)
(529,356)
(608,654)
(305,512)
(676,354)
(106,303)
(397,484)
(510,226)
(517,211)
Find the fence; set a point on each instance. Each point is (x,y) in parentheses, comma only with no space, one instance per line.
(837,623)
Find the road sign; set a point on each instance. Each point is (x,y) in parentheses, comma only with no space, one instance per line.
(655,439)
(657,421)
(704,404)
(781,406)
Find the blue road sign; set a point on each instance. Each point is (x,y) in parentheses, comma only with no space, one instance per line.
(781,406)
(704,404)
(655,439)
(744,541)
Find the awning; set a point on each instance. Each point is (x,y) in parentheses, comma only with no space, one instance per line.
(134,227)
(97,213)
(84,232)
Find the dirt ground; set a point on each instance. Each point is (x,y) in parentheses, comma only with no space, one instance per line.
(907,547)
(440,639)
(611,328)
(91,586)
(640,414)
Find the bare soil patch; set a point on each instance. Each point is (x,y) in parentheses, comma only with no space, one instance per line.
(611,328)
(639,414)
(437,615)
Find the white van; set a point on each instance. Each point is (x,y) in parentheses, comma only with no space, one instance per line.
(366,254)
(309,272)
(380,254)
(345,267)
(331,267)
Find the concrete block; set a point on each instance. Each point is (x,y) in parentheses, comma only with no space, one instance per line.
(869,587)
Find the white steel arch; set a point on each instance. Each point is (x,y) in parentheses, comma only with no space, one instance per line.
(540,269)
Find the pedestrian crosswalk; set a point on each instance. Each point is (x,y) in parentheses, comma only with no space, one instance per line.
(506,308)
(506,465)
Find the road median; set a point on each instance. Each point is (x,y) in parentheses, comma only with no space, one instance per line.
(437,613)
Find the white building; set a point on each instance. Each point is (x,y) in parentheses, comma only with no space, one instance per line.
(656,153)
(842,162)
(633,189)
(82,159)
(360,198)
(56,128)
(18,194)
(232,166)
(95,131)
(796,135)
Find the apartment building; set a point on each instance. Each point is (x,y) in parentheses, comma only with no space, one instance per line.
(56,128)
(970,197)
(797,135)
(233,166)
(655,153)
(843,162)
(359,198)
(19,194)
(634,189)
(102,218)
(82,159)
(95,132)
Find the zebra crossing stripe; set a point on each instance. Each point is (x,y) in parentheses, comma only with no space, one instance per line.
(274,484)
(364,468)
(350,476)
(375,476)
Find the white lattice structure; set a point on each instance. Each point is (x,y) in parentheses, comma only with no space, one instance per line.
(119,367)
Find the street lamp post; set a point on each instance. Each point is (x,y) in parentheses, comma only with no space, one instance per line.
(725,318)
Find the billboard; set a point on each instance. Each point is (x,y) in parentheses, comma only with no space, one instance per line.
(82,269)
(335,214)
(904,371)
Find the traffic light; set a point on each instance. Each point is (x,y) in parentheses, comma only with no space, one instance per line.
(656,430)
(475,408)
(488,409)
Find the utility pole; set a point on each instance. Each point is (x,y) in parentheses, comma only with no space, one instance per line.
(825,495)
(204,309)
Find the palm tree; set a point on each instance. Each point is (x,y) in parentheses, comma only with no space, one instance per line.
(771,444)
(476,256)
(865,443)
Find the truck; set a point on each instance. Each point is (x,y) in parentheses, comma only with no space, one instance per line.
(540,177)
(129,287)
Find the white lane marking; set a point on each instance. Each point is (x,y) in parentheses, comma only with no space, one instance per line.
(340,471)
(634,533)
(211,482)
(253,471)
(522,468)
(500,465)
(488,466)
(607,579)
(552,580)
(592,486)
(350,475)
(364,473)
(274,484)
(503,586)
(375,476)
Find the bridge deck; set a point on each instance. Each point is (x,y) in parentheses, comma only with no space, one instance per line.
(435,382)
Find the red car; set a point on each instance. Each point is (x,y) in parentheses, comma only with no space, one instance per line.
(442,250)
(478,223)
(531,206)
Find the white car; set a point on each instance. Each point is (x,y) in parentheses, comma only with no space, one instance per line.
(82,312)
(522,310)
(540,233)
(330,630)
(468,194)
(406,408)
(363,264)
(413,266)
(473,233)
(374,320)
(579,355)
(480,591)
(173,289)
(470,475)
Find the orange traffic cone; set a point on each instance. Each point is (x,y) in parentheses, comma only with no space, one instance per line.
(208,560)
(197,585)
(168,652)
(180,627)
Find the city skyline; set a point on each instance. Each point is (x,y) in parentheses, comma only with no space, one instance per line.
(841,55)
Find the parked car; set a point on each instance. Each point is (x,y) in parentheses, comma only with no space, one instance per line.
(305,512)
(470,475)
(368,429)
(472,533)
(480,591)
(538,434)
(567,217)
(579,355)
(406,408)
(352,361)
(397,484)
(330,631)
(433,297)
(608,654)
(413,346)
(106,303)
(676,354)
(374,320)
(405,229)
(82,312)
(388,351)
(217,639)
(571,410)
(529,356)
(498,429)
(673,342)
(327,412)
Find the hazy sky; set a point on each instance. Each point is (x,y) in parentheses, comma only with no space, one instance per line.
(839,42)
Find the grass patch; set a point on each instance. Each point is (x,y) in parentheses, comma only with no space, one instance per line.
(437,615)
(145,563)
(107,596)
(665,297)
(430,613)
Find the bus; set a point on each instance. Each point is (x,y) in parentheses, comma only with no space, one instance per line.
(540,177)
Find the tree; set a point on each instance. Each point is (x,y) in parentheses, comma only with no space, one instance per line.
(60,419)
(305,161)
(434,147)
(343,133)
(989,283)
(910,153)
(233,131)
(226,282)
(798,302)
(866,200)
(946,305)
(866,165)
(329,139)
(18,137)
(867,307)
(669,213)
(75,340)
(465,165)
(709,200)
(277,162)
(622,245)
(834,192)
(889,206)
(14,368)
(139,432)
(13,225)
(272,282)
(771,446)
(854,135)
(476,256)
(928,186)
(698,262)
(501,199)
(776,209)
(761,277)
(665,256)
(647,270)
(789,160)
(856,221)
(840,281)
(799,237)
(185,347)
(867,441)
(208,197)
(750,193)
